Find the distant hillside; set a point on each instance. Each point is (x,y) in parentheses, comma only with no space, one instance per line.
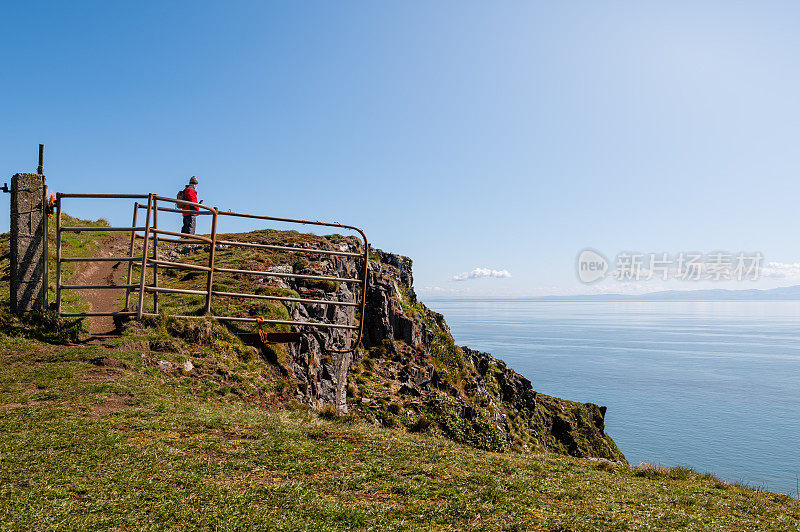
(785,293)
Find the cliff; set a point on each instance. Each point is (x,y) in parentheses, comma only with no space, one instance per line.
(408,371)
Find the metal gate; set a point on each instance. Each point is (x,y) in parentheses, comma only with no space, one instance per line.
(149,258)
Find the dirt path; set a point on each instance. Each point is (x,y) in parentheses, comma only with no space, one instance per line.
(104,273)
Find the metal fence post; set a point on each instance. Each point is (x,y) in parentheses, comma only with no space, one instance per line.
(362,317)
(211,259)
(58,255)
(155,255)
(46,224)
(130,254)
(140,310)
(40,168)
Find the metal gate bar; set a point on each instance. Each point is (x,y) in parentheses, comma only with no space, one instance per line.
(288,248)
(151,232)
(292,275)
(98,259)
(59,259)
(130,253)
(276,322)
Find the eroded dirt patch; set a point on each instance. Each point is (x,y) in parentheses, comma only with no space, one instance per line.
(113,403)
(233,436)
(101,374)
(328,435)
(103,273)
(108,362)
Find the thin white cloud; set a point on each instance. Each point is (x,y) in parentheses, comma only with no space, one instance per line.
(438,290)
(789,271)
(480,273)
(433,289)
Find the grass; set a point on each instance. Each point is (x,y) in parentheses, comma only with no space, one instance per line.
(96,437)
(121,436)
(45,325)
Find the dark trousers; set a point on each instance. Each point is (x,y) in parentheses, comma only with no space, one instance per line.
(189,224)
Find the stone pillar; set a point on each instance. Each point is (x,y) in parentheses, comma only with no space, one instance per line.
(28,243)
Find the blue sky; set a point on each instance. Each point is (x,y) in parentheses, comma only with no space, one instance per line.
(499,136)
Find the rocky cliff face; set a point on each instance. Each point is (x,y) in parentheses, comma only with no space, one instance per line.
(408,371)
(320,369)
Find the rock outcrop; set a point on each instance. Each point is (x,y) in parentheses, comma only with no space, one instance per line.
(408,371)
(317,361)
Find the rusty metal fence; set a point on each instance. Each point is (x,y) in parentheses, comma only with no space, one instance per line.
(151,235)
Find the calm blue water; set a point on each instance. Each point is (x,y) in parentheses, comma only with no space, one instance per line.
(714,386)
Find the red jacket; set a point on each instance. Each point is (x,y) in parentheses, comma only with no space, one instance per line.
(189,194)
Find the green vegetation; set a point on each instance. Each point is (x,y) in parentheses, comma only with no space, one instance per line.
(45,325)
(101,437)
(41,325)
(178,423)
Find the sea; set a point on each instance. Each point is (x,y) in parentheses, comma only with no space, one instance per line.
(710,385)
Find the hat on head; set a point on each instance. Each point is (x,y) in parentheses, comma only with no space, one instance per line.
(193,180)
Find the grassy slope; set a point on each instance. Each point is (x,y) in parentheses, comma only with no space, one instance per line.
(100,436)
(96,437)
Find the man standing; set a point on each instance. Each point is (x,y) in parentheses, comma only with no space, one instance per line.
(190,216)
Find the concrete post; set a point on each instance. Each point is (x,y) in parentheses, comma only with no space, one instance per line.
(28,243)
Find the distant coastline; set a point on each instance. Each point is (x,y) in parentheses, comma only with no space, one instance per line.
(786,293)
